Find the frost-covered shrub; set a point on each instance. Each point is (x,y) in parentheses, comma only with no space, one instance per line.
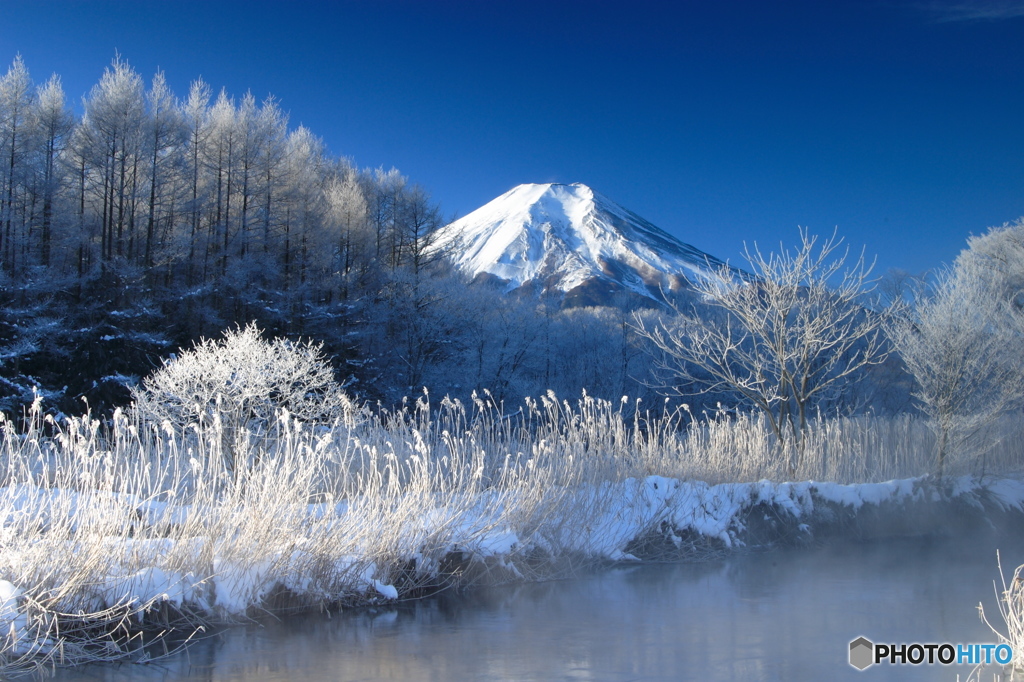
(241,381)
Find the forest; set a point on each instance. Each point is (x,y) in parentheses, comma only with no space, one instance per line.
(152,221)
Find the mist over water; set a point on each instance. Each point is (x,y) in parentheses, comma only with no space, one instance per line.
(784,614)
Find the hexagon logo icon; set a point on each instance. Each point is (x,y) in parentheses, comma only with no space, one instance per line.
(862,653)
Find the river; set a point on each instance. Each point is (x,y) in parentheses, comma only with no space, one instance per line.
(783,614)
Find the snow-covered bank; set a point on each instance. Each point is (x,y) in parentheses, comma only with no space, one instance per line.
(660,518)
(109,537)
(599,523)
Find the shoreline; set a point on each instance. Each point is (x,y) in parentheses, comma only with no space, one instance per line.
(630,521)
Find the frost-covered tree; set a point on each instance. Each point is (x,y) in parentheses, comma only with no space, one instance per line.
(498,343)
(220,160)
(16,103)
(196,116)
(113,135)
(240,382)
(307,249)
(272,167)
(416,223)
(595,349)
(347,216)
(384,189)
(998,258)
(964,341)
(790,335)
(53,124)
(164,137)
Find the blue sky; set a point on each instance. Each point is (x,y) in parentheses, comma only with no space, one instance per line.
(899,123)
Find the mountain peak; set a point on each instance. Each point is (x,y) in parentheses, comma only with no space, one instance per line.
(553,237)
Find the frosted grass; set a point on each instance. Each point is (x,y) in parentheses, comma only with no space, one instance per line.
(1010,601)
(119,535)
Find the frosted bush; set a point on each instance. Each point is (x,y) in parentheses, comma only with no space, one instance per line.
(242,380)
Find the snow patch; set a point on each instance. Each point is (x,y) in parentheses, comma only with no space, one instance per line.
(1008,493)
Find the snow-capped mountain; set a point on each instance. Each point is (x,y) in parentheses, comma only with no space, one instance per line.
(551,238)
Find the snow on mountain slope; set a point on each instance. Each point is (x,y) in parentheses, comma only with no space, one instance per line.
(568,238)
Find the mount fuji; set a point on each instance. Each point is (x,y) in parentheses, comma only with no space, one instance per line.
(570,241)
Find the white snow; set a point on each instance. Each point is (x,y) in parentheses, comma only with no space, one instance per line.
(565,235)
(856,495)
(386,591)
(13,622)
(1008,492)
(151,584)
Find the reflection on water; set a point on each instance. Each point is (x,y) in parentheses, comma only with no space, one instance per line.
(779,615)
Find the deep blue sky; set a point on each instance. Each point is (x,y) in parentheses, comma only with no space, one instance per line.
(899,122)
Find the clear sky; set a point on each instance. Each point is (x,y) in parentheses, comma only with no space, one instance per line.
(899,122)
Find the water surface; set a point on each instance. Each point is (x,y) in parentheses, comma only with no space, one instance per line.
(785,614)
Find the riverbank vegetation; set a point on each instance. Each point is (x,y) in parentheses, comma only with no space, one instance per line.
(115,533)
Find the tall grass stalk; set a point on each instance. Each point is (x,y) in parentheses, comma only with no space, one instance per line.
(1010,601)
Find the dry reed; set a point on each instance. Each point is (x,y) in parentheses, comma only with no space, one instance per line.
(113,532)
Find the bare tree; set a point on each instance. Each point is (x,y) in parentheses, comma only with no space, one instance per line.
(415,230)
(964,342)
(347,217)
(782,339)
(54,124)
(16,103)
(196,116)
(112,132)
(164,133)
